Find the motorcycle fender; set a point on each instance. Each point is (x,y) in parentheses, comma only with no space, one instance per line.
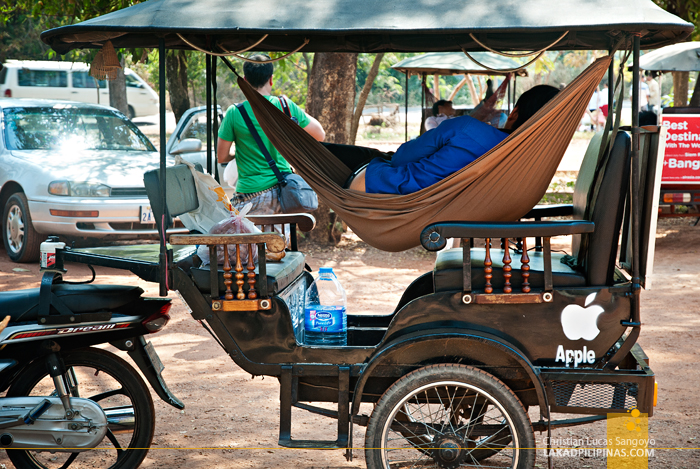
(146,358)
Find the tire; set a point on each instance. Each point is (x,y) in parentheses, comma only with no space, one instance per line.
(130,113)
(97,372)
(427,419)
(21,240)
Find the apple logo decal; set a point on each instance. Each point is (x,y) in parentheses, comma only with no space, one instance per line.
(580,323)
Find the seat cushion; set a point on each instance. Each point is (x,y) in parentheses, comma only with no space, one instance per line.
(447,275)
(23,305)
(279,274)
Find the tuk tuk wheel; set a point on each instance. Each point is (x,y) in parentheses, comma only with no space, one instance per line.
(449,416)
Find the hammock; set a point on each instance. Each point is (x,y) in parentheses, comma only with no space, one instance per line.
(502,185)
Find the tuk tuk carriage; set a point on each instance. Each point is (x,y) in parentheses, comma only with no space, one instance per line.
(491,330)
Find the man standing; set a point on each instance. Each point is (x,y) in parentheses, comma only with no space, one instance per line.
(654,104)
(257,183)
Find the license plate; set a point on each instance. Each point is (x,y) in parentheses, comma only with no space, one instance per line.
(147,214)
(155,359)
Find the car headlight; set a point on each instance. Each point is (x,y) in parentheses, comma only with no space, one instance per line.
(79,189)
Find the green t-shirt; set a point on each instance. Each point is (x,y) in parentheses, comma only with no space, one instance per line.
(254,174)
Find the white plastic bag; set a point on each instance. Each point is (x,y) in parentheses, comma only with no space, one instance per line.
(214,204)
(231,174)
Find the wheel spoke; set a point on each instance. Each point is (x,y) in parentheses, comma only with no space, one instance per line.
(115,442)
(105,395)
(70,460)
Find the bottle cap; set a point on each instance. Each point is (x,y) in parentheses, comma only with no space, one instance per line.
(325,270)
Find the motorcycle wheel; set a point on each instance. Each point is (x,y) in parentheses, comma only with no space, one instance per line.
(111,382)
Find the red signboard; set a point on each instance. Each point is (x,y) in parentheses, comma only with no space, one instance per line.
(682,160)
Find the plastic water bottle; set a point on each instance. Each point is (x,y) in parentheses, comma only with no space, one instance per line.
(325,317)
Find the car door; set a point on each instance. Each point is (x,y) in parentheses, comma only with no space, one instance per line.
(193,125)
(87,89)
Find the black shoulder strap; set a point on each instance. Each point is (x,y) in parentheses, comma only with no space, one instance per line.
(260,143)
(285,106)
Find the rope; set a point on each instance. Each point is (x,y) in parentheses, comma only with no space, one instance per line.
(237,53)
(246,59)
(518,54)
(226,53)
(508,70)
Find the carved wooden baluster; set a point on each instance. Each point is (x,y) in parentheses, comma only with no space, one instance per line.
(525,268)
(488,271)
(239,274)
(227,275)
(507,268)
(252,294)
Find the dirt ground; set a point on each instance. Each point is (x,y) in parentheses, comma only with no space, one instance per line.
(231,420)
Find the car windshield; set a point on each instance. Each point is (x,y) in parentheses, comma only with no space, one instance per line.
(66,127)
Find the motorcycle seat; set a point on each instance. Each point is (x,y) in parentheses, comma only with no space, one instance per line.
(23,305)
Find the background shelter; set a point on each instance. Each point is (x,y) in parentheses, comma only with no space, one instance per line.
(681,57)
(456,63)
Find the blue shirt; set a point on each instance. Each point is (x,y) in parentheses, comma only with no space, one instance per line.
(432,157)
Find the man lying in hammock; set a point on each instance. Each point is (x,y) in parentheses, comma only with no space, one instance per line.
(436,154)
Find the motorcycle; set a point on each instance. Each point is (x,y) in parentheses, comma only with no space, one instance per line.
(69,404)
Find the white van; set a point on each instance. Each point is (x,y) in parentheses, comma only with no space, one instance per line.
(71,80)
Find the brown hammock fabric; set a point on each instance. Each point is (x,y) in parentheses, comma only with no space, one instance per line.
(502,185)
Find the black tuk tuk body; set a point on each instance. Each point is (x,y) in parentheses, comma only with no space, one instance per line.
(493,329)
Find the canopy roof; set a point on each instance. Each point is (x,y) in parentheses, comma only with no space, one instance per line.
(683,57)
(375,26)
(456,63)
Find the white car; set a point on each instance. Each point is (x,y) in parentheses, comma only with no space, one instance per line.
(38,79)
(190,138)
(75,170)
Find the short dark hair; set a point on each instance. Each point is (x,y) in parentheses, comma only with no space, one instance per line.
(441,102)
(532,101)
(257,74)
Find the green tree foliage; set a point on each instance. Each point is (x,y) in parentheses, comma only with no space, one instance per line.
(689,10)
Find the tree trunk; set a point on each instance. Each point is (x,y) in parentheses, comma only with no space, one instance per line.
(695,99)
(176,74)
(680,89)
(117,92)
(373,72)
(331,99)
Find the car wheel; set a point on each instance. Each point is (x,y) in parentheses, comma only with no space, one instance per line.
(21,240)
(130,113)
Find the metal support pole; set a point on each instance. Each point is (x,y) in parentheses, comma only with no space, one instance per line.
(611,81)
(422,103)
(207,80)
(215,119)
(406,110)
(508,93)
(163,257)
(636,284)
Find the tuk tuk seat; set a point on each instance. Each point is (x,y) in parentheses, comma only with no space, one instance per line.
(181,194)
(595,259)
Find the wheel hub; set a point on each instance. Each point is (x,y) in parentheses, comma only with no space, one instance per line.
(449,451)
(15,228)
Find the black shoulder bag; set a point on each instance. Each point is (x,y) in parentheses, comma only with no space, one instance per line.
(295,195)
